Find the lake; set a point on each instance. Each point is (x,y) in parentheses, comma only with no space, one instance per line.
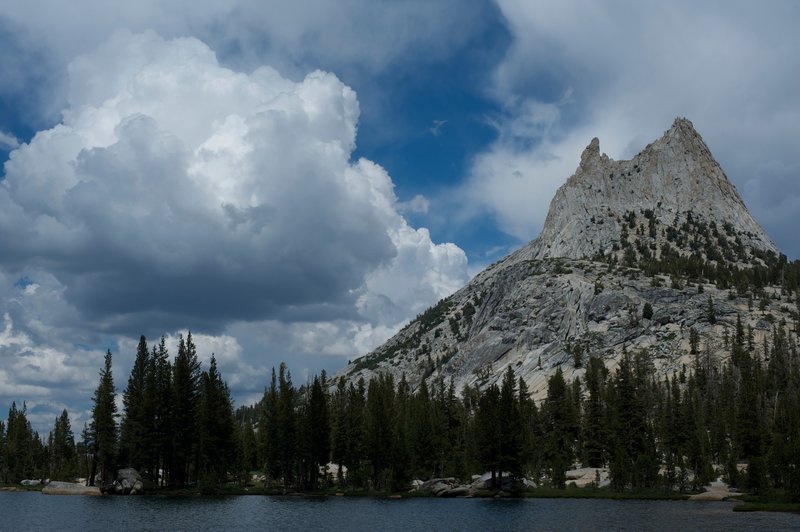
(34,511)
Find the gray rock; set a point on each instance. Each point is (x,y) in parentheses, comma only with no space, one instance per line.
(28,482)
(128,482)
(70,488)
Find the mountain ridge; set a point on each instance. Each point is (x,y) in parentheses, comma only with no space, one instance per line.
(618,238)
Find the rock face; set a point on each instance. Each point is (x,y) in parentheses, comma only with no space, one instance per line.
(671,177)
(581,287)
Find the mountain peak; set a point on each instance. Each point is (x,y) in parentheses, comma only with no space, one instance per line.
(592,151)
(673,178)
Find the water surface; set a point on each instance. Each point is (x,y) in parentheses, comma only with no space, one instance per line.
(34,511)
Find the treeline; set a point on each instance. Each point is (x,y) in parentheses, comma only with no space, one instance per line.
(176,427)
(738,417)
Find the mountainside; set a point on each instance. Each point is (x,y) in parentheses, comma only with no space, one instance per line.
(656,253)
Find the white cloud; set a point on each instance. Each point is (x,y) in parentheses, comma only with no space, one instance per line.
(419,204)
(8,141)
(177,193)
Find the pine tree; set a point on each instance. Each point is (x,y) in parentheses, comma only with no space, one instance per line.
(20,445)
(511,423)
(62,449)
(339,428)
(401,459)
(134,422)
(355,455)
(318,429)
(488,433)
(215,429)
(286,421)
(595,433)
(268,430)
(3,451)
(103,428)
(157,437)
(561,424)
(185,391)
(380,427)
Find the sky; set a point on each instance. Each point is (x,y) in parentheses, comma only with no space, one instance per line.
(293,181)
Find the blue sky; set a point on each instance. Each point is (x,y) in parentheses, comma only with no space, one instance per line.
(294,181)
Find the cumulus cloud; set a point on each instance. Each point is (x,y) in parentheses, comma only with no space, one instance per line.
(174,185)
(623,72)
(177,193)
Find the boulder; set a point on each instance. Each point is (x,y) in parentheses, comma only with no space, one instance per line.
(507,483)
(28,482)
(128,482)
(458,491)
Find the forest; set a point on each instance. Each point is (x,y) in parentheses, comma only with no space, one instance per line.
(738,418)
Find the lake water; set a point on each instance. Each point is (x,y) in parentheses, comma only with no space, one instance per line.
(34,511)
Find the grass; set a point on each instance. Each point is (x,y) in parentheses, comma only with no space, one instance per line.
(790,507)
(759,503)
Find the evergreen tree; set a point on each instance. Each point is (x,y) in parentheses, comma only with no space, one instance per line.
(488,439)
(103,428)
(595,434)
(401,459)
(319,431)
(3,453)
(158,397)
(511,427)
(339,428)
(268,430)
(215,444)
(134,424)
(185,391)
(20,446)
(380,427)
(561,426)
(286,426)
(61,444)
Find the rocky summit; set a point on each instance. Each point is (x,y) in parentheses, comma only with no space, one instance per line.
(657,253)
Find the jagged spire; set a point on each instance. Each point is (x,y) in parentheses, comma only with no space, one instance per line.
(670,177)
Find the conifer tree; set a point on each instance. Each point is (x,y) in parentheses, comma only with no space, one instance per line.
(215,432)
(319,431)
(286,425)
(562,425)
(103,428)
(380,427)
(185,391)
(134,421)
(3,451)
(488,440)
(61,445)
(511,423)
(157,437)
(268,430)
(19,445)
(595,419)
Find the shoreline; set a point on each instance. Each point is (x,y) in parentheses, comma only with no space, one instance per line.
(742,502)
